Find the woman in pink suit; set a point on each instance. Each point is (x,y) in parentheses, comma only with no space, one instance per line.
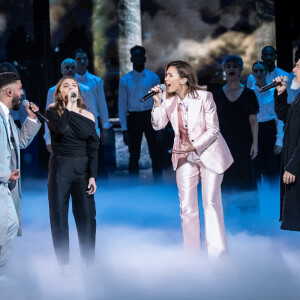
(199,152)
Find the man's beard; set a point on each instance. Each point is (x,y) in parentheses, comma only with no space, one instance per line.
(295,84)
(15,102)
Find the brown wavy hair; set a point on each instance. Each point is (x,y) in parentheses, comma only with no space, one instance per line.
(185,70)
(58,104)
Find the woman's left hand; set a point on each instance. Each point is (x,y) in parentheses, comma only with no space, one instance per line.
(184,148)
(253,151)
(92,187)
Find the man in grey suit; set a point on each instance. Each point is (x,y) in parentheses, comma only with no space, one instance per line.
(11,140)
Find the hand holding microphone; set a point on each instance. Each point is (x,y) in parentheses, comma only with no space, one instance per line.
(278,82)
(33,111)
(73,96)
(282,84)
(156,93)
(72,100)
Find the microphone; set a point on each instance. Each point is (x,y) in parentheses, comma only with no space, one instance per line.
(146,97)
(273,84)
(37,113)
(73,95)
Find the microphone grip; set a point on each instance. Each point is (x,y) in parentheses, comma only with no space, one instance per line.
(148,96)
(39,115)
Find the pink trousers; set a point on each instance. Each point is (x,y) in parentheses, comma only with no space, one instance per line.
(188,176)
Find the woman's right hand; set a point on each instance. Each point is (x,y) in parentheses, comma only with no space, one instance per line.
(282,87)
(158,96)
(72,101)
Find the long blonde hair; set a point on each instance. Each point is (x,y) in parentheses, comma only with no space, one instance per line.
(185,70)
(58,104)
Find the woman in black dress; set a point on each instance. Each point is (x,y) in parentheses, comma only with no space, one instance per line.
(72,170)
(237,109)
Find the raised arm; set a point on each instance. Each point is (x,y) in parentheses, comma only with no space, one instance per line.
(280,98)
(58,125)
(159,117)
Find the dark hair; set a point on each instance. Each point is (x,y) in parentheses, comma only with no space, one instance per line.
(8,78)
(79,50)
(235,59)
(8,67)
(269,46)
(186,71)
(260,62)
(136,47)
(58,101)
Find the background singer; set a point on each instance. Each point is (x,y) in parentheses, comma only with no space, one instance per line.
(135,117)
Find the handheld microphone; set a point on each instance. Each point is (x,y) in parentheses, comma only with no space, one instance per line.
(73,95)
(37,113)
(273,84)
(146,97)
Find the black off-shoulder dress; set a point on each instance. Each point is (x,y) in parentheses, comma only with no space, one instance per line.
(73,161)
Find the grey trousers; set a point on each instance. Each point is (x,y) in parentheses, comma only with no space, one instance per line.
(12,230)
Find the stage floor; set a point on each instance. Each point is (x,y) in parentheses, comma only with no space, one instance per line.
(139,251)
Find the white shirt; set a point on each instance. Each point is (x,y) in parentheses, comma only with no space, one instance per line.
(291,93)
(184,107)
(96,85)
(87,97)
(132,87)
(267,112)
(6,113)
(270,76)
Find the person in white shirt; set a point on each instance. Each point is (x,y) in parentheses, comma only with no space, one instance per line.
(68,68)
(268,56)
(96,85)
(292,93)
(270,129)
(135,117)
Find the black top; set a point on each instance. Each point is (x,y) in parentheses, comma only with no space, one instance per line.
(74,135)
(290,162)
(234,116)
(235,127)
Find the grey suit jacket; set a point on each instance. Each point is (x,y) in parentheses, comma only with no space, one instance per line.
(22,138)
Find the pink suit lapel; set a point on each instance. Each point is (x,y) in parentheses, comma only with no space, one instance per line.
(193,112)
(172,107)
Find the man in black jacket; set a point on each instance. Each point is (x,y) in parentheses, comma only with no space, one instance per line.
(290,164)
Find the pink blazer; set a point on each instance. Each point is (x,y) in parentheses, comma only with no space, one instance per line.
(203,130)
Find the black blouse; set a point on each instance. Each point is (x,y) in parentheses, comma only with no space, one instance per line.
(74,135)
(234,118)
